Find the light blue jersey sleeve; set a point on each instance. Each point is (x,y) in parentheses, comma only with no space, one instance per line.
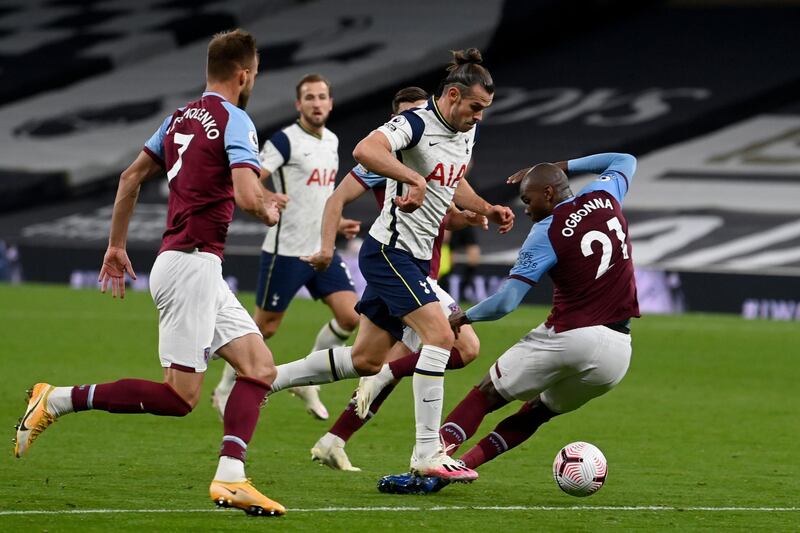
(498,305)
(616,172)
(368,179)
(241,139)
(536,255)
(535,258)
(155,144)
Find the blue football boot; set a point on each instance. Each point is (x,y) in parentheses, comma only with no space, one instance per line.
(411,484)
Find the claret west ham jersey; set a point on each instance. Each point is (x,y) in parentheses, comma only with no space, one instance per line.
(303,166)
(426,143)
(585,248)
(198,145)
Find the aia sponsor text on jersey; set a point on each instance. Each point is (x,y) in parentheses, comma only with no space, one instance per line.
(322,178)
(447,178)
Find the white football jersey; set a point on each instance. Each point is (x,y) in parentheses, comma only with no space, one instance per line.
(303,167)
(426,143)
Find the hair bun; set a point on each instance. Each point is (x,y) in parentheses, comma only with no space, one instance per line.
(464,57)
(465,70)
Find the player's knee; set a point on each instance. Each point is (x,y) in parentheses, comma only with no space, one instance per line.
(443,338)
(184,401)
(267,327)
(188,407)
(469,346)
(261,370)
(348,321)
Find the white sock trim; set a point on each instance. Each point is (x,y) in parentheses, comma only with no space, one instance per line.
(501,440)
(458,429)
(234,438)
(90,397)
(339,331)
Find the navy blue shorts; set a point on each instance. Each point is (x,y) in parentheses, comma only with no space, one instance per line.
(281,276)
(397,284)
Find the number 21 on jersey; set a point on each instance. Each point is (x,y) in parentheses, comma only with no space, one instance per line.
(605,244)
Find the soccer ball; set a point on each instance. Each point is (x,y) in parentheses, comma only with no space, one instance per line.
(580,469)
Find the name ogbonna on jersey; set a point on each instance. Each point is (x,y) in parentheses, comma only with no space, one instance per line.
(575,218)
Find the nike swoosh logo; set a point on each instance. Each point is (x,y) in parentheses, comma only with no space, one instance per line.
(432,143)
(22,425)
(306,154)
(231,491)
(431,400)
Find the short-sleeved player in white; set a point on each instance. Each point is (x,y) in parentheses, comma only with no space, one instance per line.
(302,161)
(433,149)
(394,259)
(303,166)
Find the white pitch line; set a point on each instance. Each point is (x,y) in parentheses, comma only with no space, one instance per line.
(656,508)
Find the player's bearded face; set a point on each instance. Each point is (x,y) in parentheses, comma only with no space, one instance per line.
(244,97)
(315,103)
(247,90)
(468,108)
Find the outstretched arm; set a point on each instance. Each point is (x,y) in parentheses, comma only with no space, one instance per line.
(496,306)
(466,198)
(625,164)
(115,261)
(458,219)
(347,191)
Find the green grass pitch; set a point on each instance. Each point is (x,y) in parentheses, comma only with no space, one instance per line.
(703,429)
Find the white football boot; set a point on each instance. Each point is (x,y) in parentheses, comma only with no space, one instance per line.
(329,451)
(219,400)
(442,466)
(310,396)
(369,387)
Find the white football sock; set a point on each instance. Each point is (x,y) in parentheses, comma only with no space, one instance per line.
(230,470)
(428,398)
(322,366)
(385,376)
(60,401)
(329,439)
(331,335)
(227,381)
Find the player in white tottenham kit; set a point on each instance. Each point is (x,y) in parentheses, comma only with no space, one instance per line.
(302,159)
(425,153)
(403,357)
